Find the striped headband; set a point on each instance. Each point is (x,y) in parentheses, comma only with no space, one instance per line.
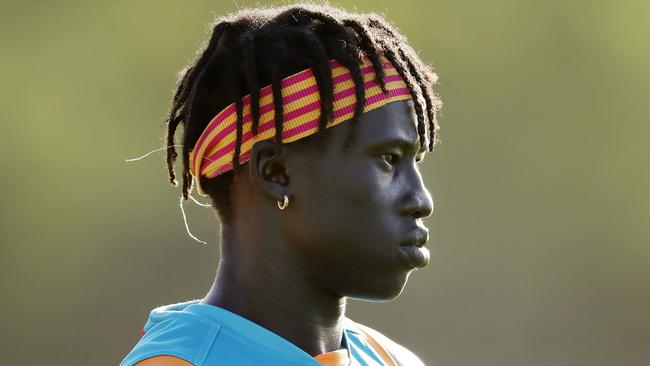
(214,151)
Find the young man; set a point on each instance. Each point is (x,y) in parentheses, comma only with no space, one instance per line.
(304,125)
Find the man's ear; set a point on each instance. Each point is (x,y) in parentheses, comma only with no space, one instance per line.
(267,168)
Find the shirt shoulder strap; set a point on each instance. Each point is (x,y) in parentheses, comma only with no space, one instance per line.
(392,353)
(379,345)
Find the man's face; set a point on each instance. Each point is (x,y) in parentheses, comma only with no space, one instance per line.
(351,211)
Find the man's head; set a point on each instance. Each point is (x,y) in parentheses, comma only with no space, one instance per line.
(355,196)
(257,47)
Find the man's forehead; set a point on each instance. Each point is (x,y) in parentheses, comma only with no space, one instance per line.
(394,123)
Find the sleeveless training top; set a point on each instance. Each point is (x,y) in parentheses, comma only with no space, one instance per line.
(194,334)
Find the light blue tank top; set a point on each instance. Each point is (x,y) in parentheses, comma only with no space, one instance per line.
(207,335)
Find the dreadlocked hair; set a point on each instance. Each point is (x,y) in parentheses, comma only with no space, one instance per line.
(253,48)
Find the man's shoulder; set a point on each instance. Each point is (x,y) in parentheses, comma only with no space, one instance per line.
(178,339)
(402,355)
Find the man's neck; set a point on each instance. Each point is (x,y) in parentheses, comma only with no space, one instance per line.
(273,296)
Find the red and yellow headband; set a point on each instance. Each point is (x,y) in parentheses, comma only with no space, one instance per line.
(213,153)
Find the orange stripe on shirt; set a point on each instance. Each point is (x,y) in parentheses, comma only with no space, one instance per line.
(163,361)
(334,358)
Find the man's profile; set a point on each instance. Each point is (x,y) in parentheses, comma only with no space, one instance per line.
(305,126)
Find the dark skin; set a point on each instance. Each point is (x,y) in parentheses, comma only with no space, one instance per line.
(291,270)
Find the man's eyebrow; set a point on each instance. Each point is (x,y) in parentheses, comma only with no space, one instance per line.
(405,144)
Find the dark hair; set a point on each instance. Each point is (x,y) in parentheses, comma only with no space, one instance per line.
(256,47)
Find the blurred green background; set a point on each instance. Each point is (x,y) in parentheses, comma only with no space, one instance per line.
(540,237)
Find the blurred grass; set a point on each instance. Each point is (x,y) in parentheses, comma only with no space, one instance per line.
(540,236)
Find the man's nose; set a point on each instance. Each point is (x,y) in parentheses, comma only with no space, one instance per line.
(418,202)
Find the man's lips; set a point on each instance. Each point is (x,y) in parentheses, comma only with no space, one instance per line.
(412,249)
(418,237)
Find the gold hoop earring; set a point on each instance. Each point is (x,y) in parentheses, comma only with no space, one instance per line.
(284,203)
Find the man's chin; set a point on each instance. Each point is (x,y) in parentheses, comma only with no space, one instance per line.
(385,290)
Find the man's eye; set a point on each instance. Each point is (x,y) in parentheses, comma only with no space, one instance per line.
(390,158)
